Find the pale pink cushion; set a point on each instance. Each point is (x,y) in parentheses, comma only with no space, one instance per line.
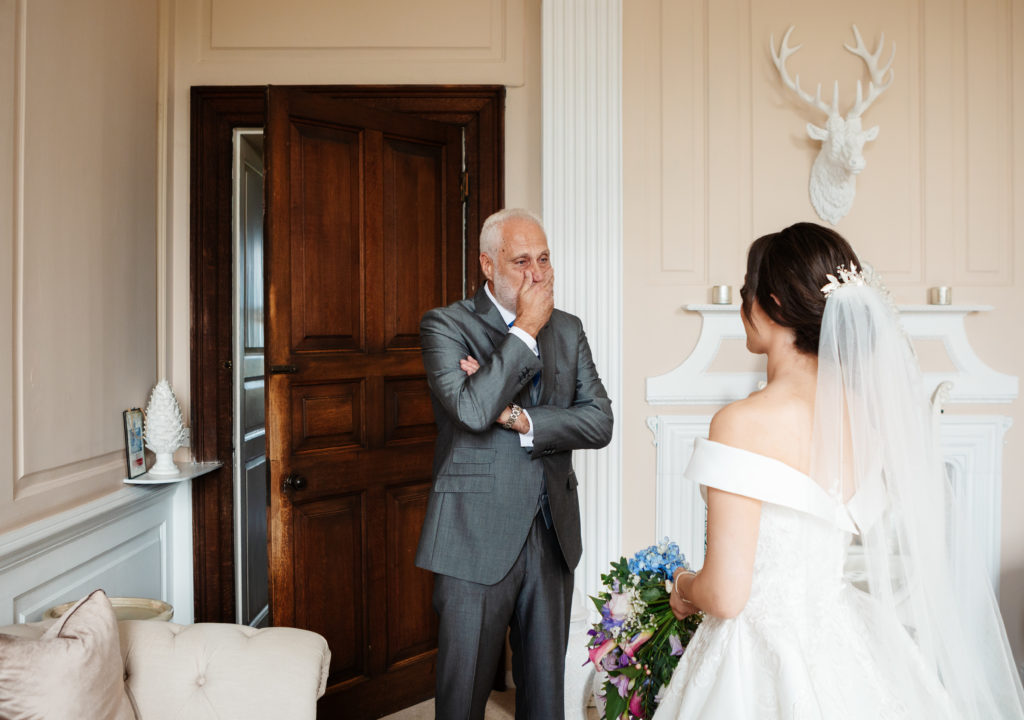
(73,671)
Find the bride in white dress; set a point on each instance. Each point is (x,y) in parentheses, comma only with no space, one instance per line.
(837,446)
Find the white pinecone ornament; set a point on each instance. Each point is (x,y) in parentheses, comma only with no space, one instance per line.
(164,430)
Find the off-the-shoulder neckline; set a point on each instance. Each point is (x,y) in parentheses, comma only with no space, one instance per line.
(759,456)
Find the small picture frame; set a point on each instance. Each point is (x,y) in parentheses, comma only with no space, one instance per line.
(133,445)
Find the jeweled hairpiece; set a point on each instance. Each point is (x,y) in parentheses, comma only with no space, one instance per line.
(853,276)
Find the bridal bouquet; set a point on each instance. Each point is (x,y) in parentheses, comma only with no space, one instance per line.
(638,641)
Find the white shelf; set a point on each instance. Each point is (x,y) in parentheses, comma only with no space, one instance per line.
(186,471)
(693,383)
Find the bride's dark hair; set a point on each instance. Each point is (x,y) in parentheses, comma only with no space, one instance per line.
(791,265)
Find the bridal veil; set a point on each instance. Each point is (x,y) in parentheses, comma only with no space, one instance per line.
(875,452)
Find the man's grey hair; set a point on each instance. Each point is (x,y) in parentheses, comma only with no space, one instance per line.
(490,233)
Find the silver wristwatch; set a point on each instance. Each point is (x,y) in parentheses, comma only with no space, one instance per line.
(512,416)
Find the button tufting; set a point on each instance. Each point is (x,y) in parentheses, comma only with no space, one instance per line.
(201,680)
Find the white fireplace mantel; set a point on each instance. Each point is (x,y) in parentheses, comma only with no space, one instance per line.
(972,445)
(692,383)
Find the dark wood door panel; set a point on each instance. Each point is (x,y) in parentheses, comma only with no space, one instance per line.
(409,416)
(330,582)
(414,236)
(327,416)
(330,473)
(412,632)
(327,237)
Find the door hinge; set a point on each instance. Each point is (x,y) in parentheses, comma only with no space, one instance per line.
(283,369)
(464,186)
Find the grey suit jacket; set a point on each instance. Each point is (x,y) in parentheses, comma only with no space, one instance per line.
(486,486)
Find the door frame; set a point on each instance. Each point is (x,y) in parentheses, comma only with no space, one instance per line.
(215,112)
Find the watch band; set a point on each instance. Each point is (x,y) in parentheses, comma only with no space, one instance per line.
(512,417)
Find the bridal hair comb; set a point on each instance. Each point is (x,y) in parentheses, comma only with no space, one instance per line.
(866,277)
(853,276)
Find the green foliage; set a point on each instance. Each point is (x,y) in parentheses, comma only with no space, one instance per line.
(635,606)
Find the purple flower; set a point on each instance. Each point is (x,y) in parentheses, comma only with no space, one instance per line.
(676,644)
(621,683)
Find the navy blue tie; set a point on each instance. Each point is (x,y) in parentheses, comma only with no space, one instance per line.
(536,378)
(545,506)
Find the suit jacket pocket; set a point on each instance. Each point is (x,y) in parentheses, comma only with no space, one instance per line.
(464,483)
(471,461)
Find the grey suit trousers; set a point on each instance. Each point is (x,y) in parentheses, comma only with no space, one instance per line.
(534,598)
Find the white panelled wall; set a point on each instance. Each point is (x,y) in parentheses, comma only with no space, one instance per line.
(582,211)
(136,542)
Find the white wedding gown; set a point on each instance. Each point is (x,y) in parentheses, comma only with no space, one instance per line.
(805,644)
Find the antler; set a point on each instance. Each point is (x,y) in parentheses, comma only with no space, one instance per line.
(876,86)
(780,63)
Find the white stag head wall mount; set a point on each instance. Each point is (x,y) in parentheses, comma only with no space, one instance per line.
(841,158)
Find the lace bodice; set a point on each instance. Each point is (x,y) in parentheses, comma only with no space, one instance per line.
(787,588)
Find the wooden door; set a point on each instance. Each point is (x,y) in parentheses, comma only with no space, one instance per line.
(364,233)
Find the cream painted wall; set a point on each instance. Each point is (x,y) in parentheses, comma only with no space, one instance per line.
(77,251)
(95,191)
(716,155)
(229,42)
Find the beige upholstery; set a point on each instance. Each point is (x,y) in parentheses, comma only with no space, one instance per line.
(217,671)
(73,670)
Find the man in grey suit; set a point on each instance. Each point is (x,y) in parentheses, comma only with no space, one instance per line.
(515,391)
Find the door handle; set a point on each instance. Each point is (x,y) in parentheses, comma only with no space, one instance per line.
(294,481)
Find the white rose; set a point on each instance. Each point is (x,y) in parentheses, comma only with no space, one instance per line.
(619,606)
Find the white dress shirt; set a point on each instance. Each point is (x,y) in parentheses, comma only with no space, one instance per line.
(525,439)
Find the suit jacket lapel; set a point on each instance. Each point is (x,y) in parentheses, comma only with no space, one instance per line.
(546,345)
(495,326)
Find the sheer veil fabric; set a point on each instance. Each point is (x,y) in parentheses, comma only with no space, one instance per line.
(875,453)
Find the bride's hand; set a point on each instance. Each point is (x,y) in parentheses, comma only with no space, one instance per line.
(680,607)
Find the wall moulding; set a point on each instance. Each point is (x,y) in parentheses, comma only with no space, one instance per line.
(109,466)
(984,247)
(60,428)
(681,59)
(469,41)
